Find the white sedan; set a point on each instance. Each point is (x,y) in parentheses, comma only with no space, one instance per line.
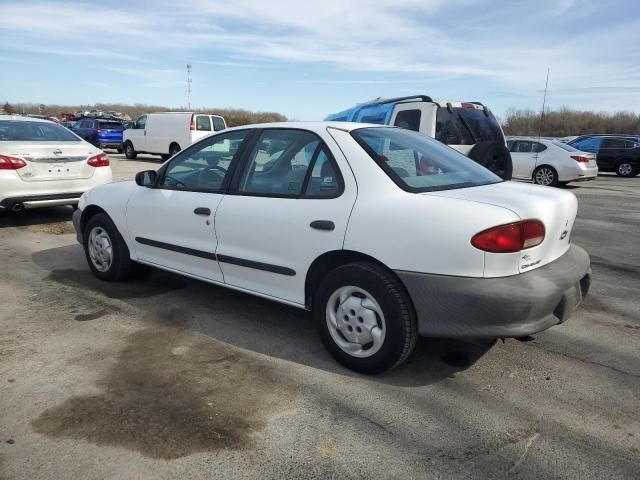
(44,164)
(384,233)
(550,162)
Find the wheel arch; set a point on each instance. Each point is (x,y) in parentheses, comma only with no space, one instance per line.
(331,260)
(88,212)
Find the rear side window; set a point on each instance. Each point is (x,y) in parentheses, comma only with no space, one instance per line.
(408,119)
(25,131)
(203,123)
(466,126)
(451,130)
(286,163)
(218,124)
(417,163)
(614,143)
(591,144)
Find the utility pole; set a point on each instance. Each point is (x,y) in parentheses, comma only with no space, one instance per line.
(189,86)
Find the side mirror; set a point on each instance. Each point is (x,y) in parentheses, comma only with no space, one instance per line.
(146,178)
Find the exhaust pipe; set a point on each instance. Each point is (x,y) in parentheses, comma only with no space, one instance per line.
(17,207)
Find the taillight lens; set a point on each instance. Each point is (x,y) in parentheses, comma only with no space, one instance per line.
(11,163)
(100,160)
(193,122)
(510,238)
(580,158)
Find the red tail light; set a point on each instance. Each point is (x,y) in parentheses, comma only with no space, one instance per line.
(193,122)
(11,163)
(580,158)
(100,160)
(510,238)
(468,105)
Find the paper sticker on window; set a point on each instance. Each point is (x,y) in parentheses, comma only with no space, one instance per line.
(327,180)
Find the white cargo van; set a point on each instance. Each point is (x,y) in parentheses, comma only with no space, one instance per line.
(166,133)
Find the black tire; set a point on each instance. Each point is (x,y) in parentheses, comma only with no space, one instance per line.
(545,175)
(397,309)
(495,156)
(121,265)
(173,149)
(129,151)
(119,150)
(626,168)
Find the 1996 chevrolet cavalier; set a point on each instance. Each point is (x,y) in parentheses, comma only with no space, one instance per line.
(383,233)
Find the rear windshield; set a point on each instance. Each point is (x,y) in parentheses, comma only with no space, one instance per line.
(564,146)
(25,131)
(111,126)
(466,126)
(417,163)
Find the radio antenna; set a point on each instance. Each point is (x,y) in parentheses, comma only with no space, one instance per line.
(544,102)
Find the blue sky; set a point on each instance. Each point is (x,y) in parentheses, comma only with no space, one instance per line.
(309,58)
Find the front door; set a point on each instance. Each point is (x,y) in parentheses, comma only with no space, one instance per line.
(289,203)
(172,225)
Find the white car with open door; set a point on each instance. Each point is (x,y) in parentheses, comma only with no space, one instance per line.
(384,233)
(44,164)
(550,162)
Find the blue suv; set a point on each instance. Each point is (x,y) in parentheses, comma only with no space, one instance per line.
(101,133)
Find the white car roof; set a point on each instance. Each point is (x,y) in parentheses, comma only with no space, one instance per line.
(21,118)
(313,126)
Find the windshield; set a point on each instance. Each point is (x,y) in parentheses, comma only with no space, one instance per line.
(25,131)
(417,163)
(111,126)
(466,126)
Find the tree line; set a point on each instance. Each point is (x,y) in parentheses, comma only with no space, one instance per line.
(233,116)
(565,122)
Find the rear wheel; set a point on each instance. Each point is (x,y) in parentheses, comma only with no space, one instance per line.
(173,149)
(129,151)
(545,175)
(106,250)
(365,318)
(624,168)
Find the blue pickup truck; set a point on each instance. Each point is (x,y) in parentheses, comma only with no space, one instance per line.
(468,127)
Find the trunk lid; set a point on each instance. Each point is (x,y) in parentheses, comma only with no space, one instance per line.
(555,208)
(53,161)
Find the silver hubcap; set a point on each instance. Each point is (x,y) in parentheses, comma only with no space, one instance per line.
(625,169)
(355,321)
(100,249)
(544,176)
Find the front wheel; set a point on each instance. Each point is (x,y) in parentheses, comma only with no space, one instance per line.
(365,318)
(105,249)
(129,151)
(625,168)
(545,175)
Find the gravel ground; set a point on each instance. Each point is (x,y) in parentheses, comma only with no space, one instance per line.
(167,377)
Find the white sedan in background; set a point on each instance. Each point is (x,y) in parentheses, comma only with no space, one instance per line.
(384,233)
(550,162)
(43,164)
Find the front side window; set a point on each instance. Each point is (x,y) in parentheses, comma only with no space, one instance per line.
(141,122)
(203,122)
(204,166)
(26,131)
(409,119)
(417,163)
(283,161)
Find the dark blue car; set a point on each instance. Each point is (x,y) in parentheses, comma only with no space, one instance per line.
(101,133)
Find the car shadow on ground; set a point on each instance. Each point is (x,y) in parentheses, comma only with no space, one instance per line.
(36,216)
(242,320)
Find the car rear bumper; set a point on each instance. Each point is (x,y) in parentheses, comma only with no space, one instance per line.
(514,306)
(110,144)
(35,201)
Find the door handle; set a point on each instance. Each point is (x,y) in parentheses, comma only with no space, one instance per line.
(202,211)
(323,225)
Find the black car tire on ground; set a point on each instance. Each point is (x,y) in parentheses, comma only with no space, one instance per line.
(121,265)
(626,168)
(495,156)
(399,315)
(173,149)
(119,150)
(129,151)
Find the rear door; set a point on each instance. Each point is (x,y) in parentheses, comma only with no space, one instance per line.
(290,203)
(203,127)
(523,157)
(611,150)
(173,224)
(110,132)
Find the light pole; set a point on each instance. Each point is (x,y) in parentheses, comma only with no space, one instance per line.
(189,86)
